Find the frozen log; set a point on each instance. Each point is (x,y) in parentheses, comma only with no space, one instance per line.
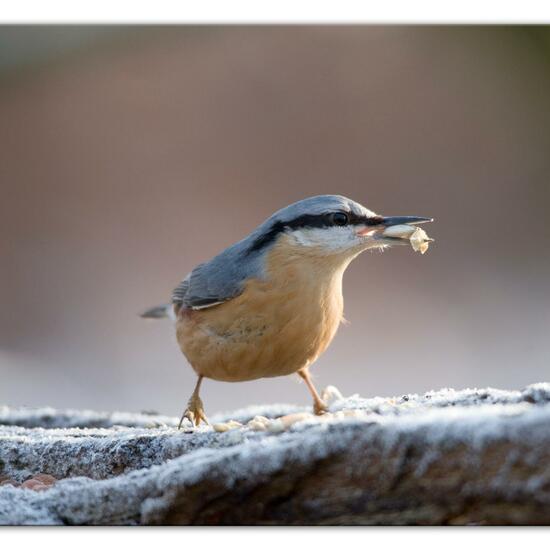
(445,457)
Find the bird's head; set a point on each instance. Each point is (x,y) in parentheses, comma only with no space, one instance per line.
(331,225)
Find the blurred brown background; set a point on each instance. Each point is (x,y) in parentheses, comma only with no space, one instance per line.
(129,155)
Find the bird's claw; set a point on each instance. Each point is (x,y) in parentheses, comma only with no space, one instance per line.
(319,408)
(194,413)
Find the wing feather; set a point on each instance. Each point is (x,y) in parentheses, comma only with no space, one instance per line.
(214,282)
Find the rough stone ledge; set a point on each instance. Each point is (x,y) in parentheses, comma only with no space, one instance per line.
(445,457)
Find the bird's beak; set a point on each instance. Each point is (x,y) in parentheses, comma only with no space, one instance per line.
(404,220)
(377,231)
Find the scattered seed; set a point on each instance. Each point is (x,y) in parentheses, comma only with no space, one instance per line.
(31,484)
(46,479)
(291,419)
(259,423)
(10,482)
(226,426)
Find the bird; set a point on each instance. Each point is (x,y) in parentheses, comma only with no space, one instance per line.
(270,304)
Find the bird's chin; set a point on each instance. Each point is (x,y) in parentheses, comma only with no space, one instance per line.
(374,245)
(365,244)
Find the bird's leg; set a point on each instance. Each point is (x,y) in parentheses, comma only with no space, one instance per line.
(319,406)
(195,409)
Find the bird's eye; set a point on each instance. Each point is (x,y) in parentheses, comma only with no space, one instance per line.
(340,218)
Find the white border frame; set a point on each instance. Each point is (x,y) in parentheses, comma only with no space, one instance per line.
(274,11)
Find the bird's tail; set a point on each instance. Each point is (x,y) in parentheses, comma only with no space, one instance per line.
(159,312)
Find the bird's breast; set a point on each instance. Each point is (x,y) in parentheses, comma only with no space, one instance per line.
(278,325)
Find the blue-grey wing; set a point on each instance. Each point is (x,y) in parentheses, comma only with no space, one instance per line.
(201,289)
(216,281)
(178,294)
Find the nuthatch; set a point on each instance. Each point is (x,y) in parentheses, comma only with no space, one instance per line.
(270,304)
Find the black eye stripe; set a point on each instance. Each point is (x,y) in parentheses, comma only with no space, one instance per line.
(310,221)
(327,220)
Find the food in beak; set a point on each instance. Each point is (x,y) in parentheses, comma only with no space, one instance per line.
(417,237)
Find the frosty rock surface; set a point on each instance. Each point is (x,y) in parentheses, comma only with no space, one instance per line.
(445,457)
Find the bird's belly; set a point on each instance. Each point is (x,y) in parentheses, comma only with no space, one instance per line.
(262,333)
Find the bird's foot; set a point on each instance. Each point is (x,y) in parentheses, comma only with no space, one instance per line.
(194,412)
(319,408)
